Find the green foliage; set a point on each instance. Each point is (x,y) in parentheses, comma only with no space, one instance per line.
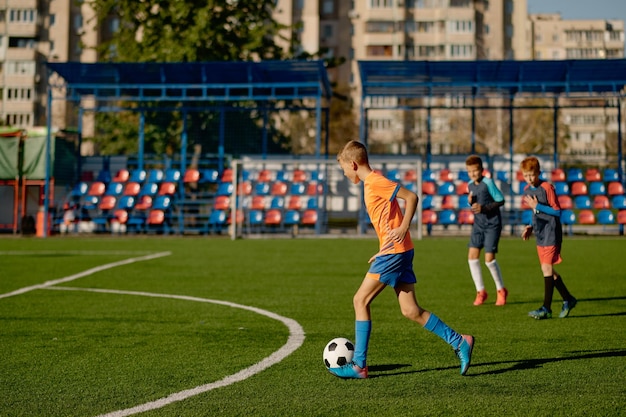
(190,30)
(86,353)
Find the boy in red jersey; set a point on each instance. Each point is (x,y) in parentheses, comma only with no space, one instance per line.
(541,198)
(392,265)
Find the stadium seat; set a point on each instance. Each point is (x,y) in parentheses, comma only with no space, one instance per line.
(447,188)
(171,175)
(463,176)
(619,202)
(606,217)
(312,203)
(244,188)
(610,174)
(167,188)
(282,175)
(565,202)
(586,217)
(411,186)
(265,175)
(79,190)
(615,188)
(277,202)
(427,202)
(445,175)
(466,216)
(561,188)
(574,174)
(294,202)
(104,176)
(262,188)
(578,188)
(292,218)
(96,189)
(227,175)
(297,188)
(447,202)
(592,175)
(409,176)
(597,188)
(278,188)
(217,221)
(298,176)
(429,188)
(209,176)
(428,175)
(191,176)
(273,217)
(149,188)
(222,202)
(601,202)
(155,175)
(394,175)
(258,202)
(447,217)
(121,175)
(132,188)
(309,217)
(462,188)
(137,175)
(224,188)
(429,218)
(503,176)
(463,201)
(314,188)
(557,174)
(582,202)
(568,218)
(520,187)
(114,189)
(317,175)
(143,203)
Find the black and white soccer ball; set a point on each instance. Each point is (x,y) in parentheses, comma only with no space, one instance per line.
(338,352)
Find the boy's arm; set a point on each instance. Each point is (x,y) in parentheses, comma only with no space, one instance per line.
(411,199)
(552,208)
(498,198)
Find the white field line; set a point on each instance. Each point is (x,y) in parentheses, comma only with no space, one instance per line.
(91,271)
(294,341)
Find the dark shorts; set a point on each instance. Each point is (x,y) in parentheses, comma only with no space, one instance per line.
(393,269)
(485,238)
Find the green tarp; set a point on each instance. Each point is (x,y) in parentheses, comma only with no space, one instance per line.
(34,159)
(9,158)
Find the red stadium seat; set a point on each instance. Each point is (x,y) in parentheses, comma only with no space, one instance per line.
(265,175)
(462,188)
(586,217)
(429,217)
(244,188)
(258,203)
(593,174)
(227,175)
(578,188)
(565,202)
(273,217)
(299,176)
(132,188)
(121,176)
(294,202)
(445,175)
(191,175)
(278,188)
(615,188)
(429,188)
(410,176)
(222,202)
(601,202)
(466,217)
(557,175)
(447,202)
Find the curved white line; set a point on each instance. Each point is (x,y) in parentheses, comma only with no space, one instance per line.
(84,273)
(295,340)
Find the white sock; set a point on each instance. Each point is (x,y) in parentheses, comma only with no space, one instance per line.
(494,268)
(477,274)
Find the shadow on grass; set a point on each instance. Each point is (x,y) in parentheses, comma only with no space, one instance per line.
(519,365)
(524,364)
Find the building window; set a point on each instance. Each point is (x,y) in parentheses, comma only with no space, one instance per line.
(328,7)
(20,67)
(52,19)
(379,27)
(22,15)
(327,31)
(380,4)
(379,50)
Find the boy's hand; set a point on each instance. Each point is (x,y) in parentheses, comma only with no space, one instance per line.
(476,208)
(397,234)
(528,230)
(531,200)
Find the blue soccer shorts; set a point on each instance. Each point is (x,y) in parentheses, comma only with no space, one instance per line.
(485,238)
(393,269)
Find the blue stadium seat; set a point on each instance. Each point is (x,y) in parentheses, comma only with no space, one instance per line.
(137,175)
(463,201)
(575,174)
(561,188)
(427,202)
(610,174)
(149,188)
(619,202)
(262,188)
(447,217)
(502,176)
(292,218)
(464,176)
(521,186)
(114,189)
(297,188)
(428,175)
(606,217)
(568,219)
(527,217)
(394,175)
(597,188)
(155,175)
(582,202)
(447,188)
(217,221)
(210,176)
(224,188)
(172,175)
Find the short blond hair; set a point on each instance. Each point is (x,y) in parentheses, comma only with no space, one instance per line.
(353,151)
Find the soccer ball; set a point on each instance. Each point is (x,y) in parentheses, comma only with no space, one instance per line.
(338,352)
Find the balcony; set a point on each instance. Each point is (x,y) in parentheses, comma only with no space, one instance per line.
(21,54)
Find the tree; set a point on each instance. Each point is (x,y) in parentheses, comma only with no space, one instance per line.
(179,31)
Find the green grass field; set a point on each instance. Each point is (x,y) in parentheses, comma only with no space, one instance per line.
(116,335)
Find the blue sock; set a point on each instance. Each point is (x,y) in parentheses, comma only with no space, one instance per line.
(442,330)
(363,329)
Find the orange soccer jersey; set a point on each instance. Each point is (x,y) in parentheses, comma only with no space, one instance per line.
(384,211)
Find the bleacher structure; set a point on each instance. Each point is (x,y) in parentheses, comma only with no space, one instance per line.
(255,197)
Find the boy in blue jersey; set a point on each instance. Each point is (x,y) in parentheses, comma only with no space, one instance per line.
(485,200)
(541,198)
(392,265)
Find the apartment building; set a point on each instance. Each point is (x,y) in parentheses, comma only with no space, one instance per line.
(554,38)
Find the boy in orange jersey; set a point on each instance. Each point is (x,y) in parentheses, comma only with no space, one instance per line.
(541,198)
(392,265)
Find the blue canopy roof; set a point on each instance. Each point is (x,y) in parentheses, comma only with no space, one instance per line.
(195,81)
(477,78)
